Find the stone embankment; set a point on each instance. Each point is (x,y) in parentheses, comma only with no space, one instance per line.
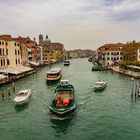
(126,72)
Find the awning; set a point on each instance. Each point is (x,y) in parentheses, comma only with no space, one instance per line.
(2,76)
(15,70)
(34,63)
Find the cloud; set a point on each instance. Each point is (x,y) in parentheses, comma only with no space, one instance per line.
(75,23)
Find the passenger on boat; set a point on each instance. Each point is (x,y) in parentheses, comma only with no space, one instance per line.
(59,102)
(65,102)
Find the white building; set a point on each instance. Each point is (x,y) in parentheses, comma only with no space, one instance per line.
(113,56)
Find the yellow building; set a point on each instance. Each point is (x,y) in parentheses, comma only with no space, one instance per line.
(11,52)
(3,55)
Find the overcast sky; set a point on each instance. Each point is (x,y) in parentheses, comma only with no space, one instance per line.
(78,24)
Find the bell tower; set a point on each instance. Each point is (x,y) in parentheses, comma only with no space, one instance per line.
(40,39)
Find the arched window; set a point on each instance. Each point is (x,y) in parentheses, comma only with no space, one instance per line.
(3,51)
(19,61)
(8,63)
(1,63)
(16,61)
(15,52)
(6,51)
(4,62)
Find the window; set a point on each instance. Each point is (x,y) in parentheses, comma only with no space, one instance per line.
(108,58)
(16,61)
(120,53)
(121,58)
(1,63)
(6,51)
(6,43)
(108,53)
(4,62)
(8,63)
(117,53)
(15,44)
(0,51)
(2,43)
(15,52)
(111,53)
(18,52)
(3,51)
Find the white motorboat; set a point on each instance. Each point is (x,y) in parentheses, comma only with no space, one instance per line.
(66,62)
(100,85)
(23,96)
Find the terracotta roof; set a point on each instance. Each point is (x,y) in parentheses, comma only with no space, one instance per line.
(6,37)
(110,47)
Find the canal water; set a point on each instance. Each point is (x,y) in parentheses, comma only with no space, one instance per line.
(106,115)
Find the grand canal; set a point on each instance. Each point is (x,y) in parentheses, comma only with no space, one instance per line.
(106,115)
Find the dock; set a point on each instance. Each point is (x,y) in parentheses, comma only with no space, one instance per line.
(9,75)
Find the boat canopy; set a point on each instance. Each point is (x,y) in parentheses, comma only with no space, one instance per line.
(54,71)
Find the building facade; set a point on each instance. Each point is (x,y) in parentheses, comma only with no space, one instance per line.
(111,54)
(10,52)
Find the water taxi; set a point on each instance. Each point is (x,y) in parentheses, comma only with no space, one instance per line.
(66,62)
(22,97)
(100,85)
(54,74)
(63,102)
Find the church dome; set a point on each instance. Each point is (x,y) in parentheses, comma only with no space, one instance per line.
(47,40)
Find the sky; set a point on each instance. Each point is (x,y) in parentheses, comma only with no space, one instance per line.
(78,24)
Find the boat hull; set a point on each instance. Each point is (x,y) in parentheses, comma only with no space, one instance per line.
(23,102)
(67,112)
(66,64)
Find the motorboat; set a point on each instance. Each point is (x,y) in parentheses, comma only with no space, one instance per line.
(64,102)
(23,96)
(54,74)
(66,62)
(99,85)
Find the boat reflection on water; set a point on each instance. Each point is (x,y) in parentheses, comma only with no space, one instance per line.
(21,108)
(61,125)
(51,83)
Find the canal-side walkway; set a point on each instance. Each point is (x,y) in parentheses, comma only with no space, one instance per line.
(11,74)
(126,72)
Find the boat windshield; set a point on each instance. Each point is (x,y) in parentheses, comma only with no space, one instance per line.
(64,94)
(53,74)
